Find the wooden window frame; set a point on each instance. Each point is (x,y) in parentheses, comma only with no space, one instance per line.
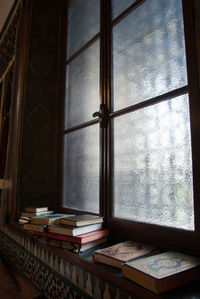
(163,236)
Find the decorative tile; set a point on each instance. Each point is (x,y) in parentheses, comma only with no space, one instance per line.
(89,285)
(35,182)
(53,276)
(112,291)
(45,15)
(97,291)
(39,119)
(106,294)
(41,64)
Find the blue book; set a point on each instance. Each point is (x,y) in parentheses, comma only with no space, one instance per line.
(49,219)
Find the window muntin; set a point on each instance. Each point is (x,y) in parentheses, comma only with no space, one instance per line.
(118,6)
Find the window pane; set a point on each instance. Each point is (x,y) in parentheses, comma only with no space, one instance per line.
(152,165)
(118,6)
(81,169)
(82,87)
(148,52)
(83,23)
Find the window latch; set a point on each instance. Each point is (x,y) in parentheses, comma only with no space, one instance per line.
(103,115)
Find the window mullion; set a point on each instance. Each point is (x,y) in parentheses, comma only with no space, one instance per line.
(105,95)
(193,84)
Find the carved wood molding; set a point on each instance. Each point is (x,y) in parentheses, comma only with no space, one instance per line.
(7,42)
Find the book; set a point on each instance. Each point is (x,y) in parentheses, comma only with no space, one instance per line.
(76,248)
(81,220)
(73,230)
(162,272)
(48,219)
(36,209)
(80,239)
(23,221)
(35,227)
(118,254)
(83,247)
(33,214)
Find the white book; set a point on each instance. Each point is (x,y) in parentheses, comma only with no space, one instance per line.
(72,230)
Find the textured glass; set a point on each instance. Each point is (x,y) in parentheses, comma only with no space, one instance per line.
(83,23)
(118,6)
(148,52)
(153,167)
(82,87)
(81,170)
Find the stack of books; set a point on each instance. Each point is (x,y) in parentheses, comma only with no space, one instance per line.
(72,232)
(30,212)
(83,232)
(79,243)
(41,222)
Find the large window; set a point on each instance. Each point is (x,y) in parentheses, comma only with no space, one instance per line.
(133,63)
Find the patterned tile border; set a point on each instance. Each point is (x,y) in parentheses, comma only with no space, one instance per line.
(54,276)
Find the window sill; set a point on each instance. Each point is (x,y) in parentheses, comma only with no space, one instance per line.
(109,274)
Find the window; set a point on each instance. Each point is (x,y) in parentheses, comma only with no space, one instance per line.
(133,63)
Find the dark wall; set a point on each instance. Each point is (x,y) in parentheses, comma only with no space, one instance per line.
(38,150)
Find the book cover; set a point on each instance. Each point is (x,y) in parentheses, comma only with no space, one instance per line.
(162,272)
(36,209)
(80,239)
(80,220)
(48,219)
(73,230)
(116,255)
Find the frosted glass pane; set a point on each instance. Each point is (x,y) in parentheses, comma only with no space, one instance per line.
(148,52)
(82,87)
(118,6)
(83,23)
(81,169)
(153,167)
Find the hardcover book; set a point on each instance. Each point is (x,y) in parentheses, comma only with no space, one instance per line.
(48,219)
(162,272)
(35,227)
(80,239)
(76,248)
(116,255)
(81,220)
(36,209)
(23,221)
(73,230)
(33,214)
(86,246)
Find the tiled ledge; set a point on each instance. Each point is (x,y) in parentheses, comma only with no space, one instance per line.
(57,272)
(61,274)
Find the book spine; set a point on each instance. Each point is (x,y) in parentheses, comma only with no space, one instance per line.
(63,237)
(34,227)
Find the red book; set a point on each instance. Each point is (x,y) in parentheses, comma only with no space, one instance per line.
(80,239)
